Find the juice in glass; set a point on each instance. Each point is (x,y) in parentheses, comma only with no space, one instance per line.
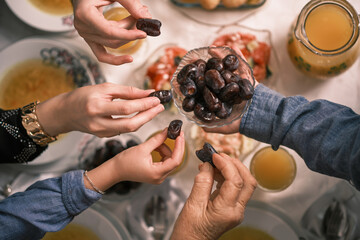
(324,41)
(117,14)
(273,170)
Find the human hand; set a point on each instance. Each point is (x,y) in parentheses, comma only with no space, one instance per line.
(136,163)
(98,32)
(207,216)
(90,109)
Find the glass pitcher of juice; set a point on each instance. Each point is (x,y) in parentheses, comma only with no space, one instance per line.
(324,42)
(116,14)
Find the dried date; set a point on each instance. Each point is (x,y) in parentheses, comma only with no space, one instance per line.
(231,62)
(188,88)
(149,25)
(188,104)
(165,96)
(212,102)
(229,92)
(230,77)
(174,129)
(214,80)
(202,113)
(188,72)
(246,89)
(224,111)
(206,153)
(215,63)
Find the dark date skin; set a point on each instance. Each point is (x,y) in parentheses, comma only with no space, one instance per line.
(188,104)
(174,129)
(165,96)
(202,113)
(212,102)
(149,25)
(229,92)
(246,89)
(215,63)
(224,111)
(188,72)
(214,80)
(206,153)
(231,62)
(230,77)
(189,88)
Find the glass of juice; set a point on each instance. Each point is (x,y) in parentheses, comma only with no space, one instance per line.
(117,13)
(273,170)
(171,144)
(324,41)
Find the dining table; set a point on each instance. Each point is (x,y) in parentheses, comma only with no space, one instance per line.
(192,28)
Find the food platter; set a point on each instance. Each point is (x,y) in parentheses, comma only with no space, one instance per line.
(85,69)
(36,18)
(196,3)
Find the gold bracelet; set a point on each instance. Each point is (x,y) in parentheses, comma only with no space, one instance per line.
(33,127)
(92,184)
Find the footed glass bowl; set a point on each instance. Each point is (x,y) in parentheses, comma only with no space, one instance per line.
(205,53)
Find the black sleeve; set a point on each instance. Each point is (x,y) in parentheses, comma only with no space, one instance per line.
(15,144)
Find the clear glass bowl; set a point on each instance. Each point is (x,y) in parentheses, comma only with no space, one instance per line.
(261,35)
(206,53)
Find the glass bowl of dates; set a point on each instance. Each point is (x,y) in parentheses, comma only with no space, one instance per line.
(212,86)
(98,150)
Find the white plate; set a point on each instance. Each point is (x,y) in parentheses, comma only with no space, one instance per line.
(102,223)
(36,18)
(87,73)
(270,220)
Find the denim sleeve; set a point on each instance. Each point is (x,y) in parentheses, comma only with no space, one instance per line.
(326,135)
(46,206)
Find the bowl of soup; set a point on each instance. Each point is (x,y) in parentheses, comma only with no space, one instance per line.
(95,223)
(264,222)
(38,69)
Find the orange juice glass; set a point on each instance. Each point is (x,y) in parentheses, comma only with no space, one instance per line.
(171,144)
(324,42)
(273,170)
(117,14)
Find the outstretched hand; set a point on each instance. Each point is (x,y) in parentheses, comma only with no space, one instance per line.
(99,33)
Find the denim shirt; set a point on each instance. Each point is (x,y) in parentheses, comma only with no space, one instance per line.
(326,135)
(46,206)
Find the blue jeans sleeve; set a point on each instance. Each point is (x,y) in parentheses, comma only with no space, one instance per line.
(46,206)
(326,135)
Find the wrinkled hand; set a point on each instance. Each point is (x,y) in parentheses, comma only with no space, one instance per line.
(207,216)
(90,109)
(98,32)
(136,163)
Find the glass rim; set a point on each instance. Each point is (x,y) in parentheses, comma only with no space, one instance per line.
(291,159)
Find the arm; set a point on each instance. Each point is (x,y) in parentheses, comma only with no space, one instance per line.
(326,135)
(15,145)
(51,204)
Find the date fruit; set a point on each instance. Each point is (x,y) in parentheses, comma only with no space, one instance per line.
(215,63)
(188,72)
(174,129)
(149,25)
(188,104)
(231,62)
(189,88)
(205,154)
(165,96)
(214,80)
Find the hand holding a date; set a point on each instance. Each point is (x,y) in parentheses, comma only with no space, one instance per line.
(207,215)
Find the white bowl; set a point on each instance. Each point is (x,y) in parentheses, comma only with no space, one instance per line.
(86,72)
(102,223)
(36,18)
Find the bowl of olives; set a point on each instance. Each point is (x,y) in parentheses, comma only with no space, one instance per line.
(212,86)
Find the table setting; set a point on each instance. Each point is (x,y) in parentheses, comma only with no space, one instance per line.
(311,206)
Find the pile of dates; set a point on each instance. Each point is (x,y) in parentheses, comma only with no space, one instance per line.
(211,88)
(109,150)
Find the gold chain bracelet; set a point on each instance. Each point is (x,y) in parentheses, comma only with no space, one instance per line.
(33,127)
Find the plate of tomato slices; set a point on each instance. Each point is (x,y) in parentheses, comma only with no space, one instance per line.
(159,68)
(256,47)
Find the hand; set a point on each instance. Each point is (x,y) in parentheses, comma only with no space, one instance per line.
(98,32)
(90,109)
(136,164)
(207,216)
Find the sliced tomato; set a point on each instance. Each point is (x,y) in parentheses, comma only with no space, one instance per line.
(247,37)
(261,54)
(246,53)
(259,72)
